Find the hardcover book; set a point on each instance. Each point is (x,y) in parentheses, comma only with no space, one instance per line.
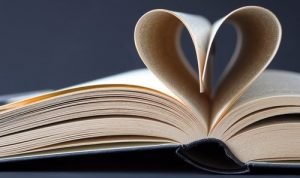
(251,119)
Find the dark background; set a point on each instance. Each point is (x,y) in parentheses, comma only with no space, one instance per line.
(54,44)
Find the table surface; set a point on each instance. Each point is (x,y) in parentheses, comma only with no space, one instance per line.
(124,174)
(149,163)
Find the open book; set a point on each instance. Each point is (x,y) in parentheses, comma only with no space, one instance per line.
(250,119)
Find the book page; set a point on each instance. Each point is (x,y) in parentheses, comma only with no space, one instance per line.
(264,98)
(9,98)
(157,35)
(276,139)
(138,77)
(286,84)
(259,35)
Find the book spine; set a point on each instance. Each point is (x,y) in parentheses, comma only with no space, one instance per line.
(211,155)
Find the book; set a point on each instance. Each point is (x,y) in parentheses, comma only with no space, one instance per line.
(249,120)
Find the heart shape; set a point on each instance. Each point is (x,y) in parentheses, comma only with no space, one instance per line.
(157,41)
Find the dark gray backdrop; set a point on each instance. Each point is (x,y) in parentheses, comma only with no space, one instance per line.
(53,44)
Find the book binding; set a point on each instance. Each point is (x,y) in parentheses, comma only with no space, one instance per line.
(211,155)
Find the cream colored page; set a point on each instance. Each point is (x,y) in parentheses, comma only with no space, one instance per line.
(273,89)
(274,92)
(21,96)
(276,140)
(272,83)
(137,77)
(157,36)
(140,78)
(259,35)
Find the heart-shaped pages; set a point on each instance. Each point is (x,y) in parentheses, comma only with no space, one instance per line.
(157,41)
